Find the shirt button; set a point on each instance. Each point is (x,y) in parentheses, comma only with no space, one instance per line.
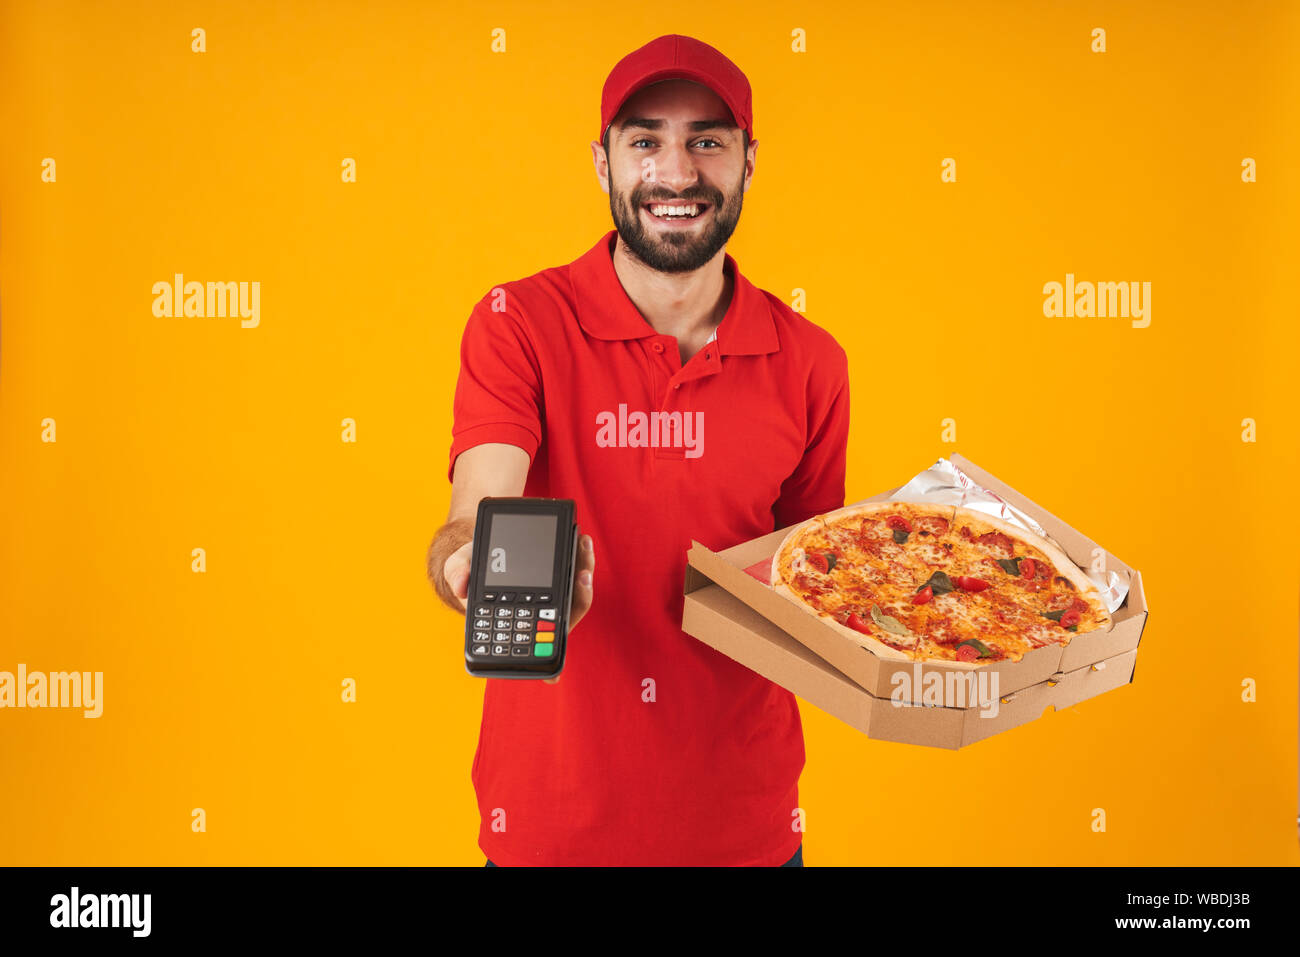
(657,346)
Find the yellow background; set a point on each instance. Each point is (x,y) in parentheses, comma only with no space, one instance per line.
(222,690)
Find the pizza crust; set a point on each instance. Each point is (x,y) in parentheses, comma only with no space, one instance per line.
(866,509)
(781,559)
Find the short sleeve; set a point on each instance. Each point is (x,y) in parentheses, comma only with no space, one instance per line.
(817,483)
(499,389)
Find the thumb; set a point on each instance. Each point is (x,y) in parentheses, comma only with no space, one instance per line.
(456,570)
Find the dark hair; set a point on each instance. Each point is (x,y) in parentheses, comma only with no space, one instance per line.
(605,140)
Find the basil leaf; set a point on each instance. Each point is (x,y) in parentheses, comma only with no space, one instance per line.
(940,584)
(1073,628)
(1010,565)
(978,645)
(892,625)
(900,536)
(1054,615)
(831,559)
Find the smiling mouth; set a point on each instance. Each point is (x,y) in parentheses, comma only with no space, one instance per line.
(675,212)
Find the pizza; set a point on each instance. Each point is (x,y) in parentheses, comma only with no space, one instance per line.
(924,582)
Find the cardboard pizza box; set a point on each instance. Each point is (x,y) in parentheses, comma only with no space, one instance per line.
(929,703)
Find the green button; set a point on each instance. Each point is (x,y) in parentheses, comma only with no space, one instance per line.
(543,650)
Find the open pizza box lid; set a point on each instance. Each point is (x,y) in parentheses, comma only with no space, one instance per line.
(732,611)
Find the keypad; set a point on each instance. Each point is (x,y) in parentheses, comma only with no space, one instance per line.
(515,625)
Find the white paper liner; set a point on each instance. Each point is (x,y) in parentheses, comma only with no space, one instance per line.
(945,484)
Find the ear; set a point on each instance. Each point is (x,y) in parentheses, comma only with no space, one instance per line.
(601,162)
(751,157)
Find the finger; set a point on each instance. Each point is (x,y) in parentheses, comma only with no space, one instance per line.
(582,583)
(586,553)
(582,594)
(583,580)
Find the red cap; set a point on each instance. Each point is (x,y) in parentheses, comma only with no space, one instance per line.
(675,57)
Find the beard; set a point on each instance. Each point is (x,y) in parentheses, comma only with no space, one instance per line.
(674,250)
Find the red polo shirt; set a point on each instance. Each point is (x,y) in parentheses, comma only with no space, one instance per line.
(653,748)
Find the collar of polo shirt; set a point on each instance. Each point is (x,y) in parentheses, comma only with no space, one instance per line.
(605,311)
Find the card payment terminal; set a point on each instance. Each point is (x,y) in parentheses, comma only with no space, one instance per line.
(520,587)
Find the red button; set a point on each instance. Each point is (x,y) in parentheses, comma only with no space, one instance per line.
(546,626)
(657,346)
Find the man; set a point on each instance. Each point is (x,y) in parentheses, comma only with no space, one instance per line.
(672,400)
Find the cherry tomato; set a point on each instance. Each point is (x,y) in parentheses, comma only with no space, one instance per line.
(967,653)
(897,521)
(1071,617)
(1027,568)
(923,596)
(818,561)
(857,624)
(970,584)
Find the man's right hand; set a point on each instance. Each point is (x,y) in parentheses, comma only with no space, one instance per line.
(498,470)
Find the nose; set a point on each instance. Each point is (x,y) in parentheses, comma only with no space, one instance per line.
(675,168)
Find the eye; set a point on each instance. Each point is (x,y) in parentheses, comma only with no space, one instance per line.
(641,139)
(707,139)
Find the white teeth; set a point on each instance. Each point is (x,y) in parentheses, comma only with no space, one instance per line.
(683,211)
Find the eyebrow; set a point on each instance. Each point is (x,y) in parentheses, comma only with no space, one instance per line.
(645,123)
